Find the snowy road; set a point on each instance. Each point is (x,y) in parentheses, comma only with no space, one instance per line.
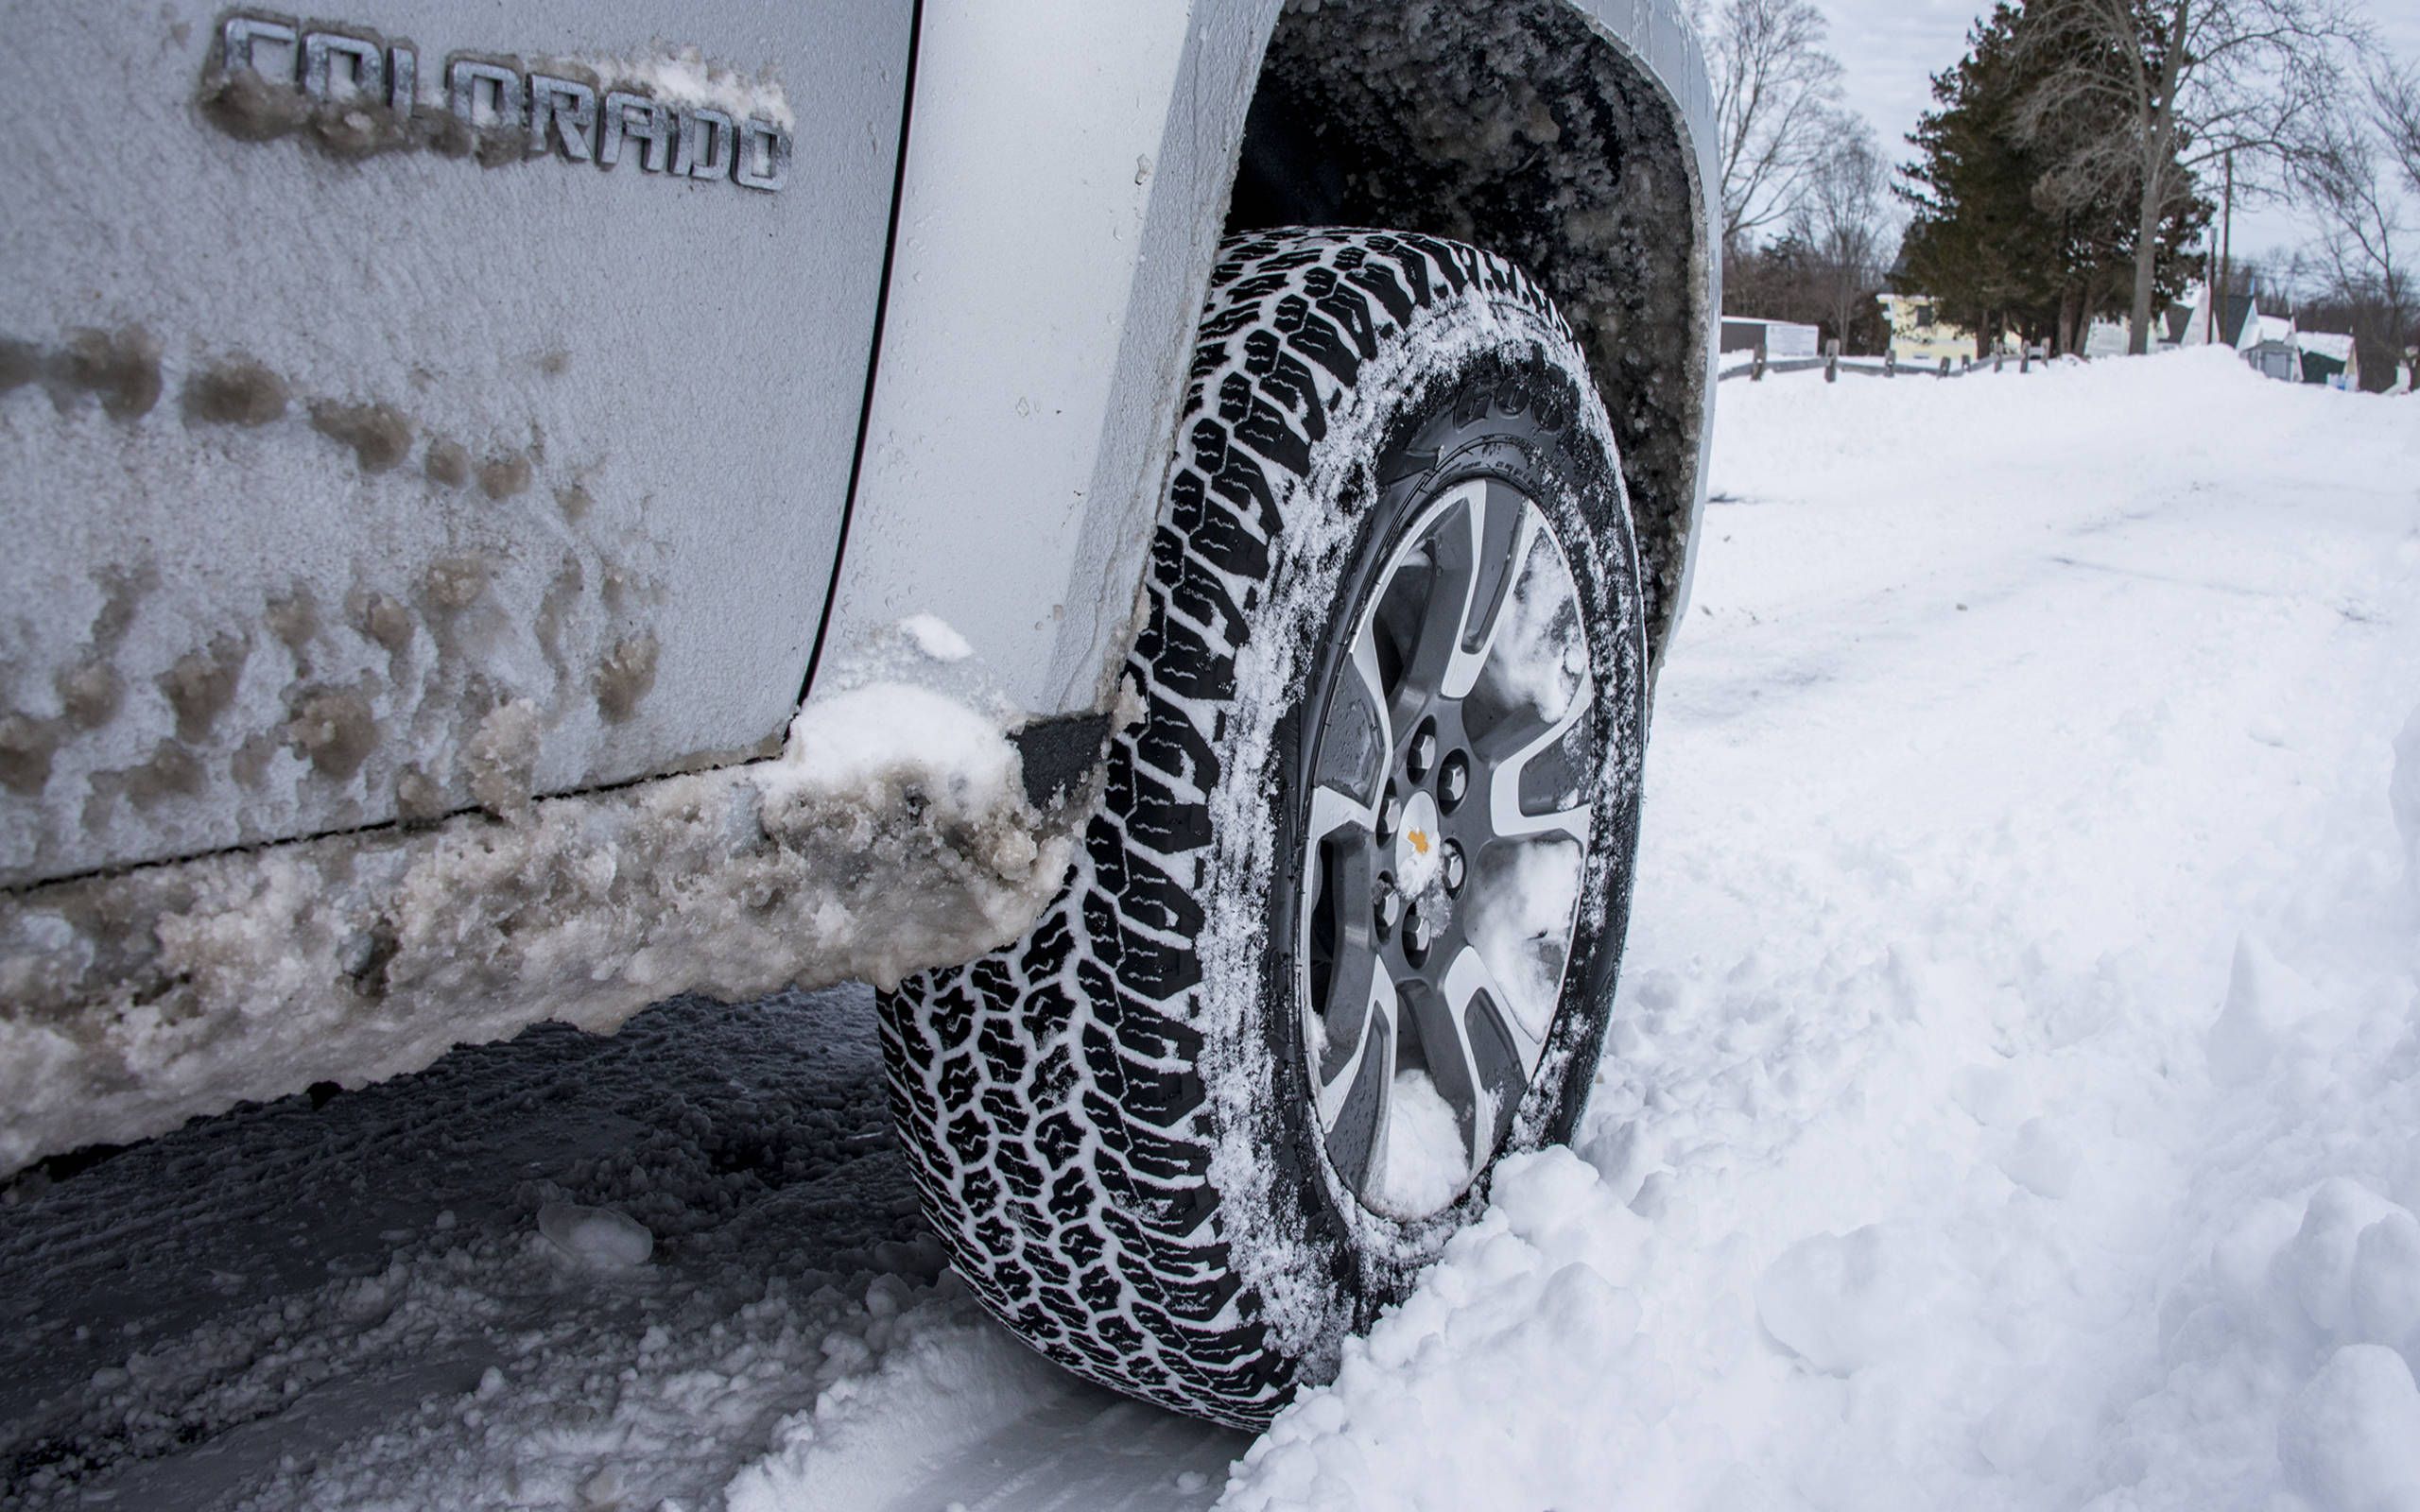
(359,1304)
(2014,1099)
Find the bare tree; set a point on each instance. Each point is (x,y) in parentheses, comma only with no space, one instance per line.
(1774,87)
(2346,178)
(2287,275)
(2342,179)
(2195,82)
(2394,114)
(1844,220)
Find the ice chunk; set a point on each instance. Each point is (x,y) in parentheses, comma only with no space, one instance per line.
(2318,1264)
(892,738)
(1426,1161)
(2403,794)
(893,835)
(1844,1301)
(602,1237)
(2350,1440)
(2256,1022)
(933,635)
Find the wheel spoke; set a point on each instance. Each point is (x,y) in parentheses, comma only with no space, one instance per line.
(1501,1050)
(1445,1045)
(1333,810)
(1372,686)
(1469,979)
(1456,551)
(1356,1101)
(1483,615)
(1356,738)
(1340,994)
(1379,1010)
(1505,816)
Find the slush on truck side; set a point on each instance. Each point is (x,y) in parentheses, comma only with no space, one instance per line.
(1144,527)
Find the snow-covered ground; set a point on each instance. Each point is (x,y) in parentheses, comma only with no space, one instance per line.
(2013,1100)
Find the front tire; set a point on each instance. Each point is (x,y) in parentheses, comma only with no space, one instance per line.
(1306,985)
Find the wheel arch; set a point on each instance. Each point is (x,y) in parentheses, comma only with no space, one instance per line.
(1016,449)
(1573,136)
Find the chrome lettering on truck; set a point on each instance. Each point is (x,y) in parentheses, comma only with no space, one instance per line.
(357,94)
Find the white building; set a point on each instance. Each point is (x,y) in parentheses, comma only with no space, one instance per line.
(2329,357)
(2190,321)
(2273,347)
(1779,340)
(1920,338)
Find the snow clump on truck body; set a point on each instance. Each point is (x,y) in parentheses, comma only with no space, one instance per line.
(894,834)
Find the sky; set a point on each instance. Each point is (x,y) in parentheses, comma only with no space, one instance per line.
(1891,49)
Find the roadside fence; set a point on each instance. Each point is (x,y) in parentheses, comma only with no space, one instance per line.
(1832,365)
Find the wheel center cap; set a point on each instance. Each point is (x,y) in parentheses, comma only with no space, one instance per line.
(1420,846)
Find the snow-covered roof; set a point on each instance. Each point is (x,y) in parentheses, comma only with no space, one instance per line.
(2332,345)
(2277,327)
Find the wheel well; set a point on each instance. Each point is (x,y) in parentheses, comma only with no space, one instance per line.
(1516,125)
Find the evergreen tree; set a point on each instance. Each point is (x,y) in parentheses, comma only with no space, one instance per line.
(1996,240)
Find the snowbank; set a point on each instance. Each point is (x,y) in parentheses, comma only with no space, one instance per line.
(2407,793)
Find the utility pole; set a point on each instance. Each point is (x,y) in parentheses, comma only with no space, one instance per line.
(2226,240)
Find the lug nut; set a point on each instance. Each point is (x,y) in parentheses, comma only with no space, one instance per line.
(1390,815)
(1389,903)
(1453,859)
(1457,779)
(1423,754)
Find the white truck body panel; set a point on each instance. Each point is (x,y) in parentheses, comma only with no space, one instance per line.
(1032,354)
(1031,358)
(488,547)
(1062,194)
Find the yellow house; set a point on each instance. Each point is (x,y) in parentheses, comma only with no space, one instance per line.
(1920,338)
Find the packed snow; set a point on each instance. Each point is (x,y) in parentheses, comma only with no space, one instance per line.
(1424,1163)
(687,77)
(597,1236)
(2013,1100)
(571,1271)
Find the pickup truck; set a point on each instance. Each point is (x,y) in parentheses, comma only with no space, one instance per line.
(1143,528)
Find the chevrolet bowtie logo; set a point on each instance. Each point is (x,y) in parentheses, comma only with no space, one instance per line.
(1418,840)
